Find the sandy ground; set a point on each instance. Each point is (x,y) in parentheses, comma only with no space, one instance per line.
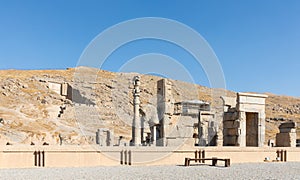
(288,170)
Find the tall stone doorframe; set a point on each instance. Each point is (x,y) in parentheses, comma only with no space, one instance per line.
(244,124)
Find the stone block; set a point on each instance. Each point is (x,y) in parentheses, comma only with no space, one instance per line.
(230,140)
(251,98)
(231,116)
(286,139)
(231,124)
(231,131)
(288,125)
(54,86)
(251,107)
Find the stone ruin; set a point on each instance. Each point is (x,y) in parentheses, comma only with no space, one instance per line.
(190,121)
(145,120)
(287,135)
(203,122)
(244,120)
(104,137)
(60,88)
(193,122)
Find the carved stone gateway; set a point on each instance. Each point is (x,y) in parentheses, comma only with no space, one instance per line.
(244,124)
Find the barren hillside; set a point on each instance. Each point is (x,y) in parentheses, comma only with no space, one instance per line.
(31,112)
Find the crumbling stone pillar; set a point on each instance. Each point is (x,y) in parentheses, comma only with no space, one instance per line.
(165,108)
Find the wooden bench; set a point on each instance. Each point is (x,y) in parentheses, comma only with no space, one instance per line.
(213,159)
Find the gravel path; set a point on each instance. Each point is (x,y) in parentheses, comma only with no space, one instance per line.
(289,170)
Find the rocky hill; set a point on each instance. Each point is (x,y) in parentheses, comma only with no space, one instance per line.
(33,111)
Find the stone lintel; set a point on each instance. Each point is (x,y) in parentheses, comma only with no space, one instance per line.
(252,95)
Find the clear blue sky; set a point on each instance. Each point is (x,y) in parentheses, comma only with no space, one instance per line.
(257,42)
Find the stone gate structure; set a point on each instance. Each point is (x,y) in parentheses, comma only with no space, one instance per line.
(244,122)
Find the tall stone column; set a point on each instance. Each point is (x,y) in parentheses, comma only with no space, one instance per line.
(136,123)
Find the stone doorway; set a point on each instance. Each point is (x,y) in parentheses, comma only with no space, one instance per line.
(251,129)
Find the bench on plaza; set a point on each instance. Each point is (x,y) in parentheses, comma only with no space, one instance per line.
(202,160)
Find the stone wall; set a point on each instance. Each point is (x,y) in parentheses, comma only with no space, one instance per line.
(87,156)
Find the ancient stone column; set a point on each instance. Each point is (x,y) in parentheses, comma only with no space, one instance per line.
(136,123)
